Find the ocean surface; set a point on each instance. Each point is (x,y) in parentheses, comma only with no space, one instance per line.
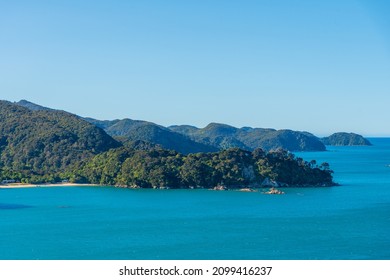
(351,221)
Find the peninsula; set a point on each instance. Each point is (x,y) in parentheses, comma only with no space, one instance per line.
(49,146)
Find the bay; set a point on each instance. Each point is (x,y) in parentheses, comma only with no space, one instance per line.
(350,221)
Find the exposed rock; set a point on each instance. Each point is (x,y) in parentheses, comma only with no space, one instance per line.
(220,188)
(247,190)
(270,183)
(274,191)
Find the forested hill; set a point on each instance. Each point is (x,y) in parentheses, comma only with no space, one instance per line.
(345,139)
(43,145)
(32,106)
(43,141)
(135,130)
(231,168)
(189,139)
(225,136)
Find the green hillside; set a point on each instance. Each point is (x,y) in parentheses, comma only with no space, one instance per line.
(46,141)
(188,139)
(38,145)
(231,168)
(135,130)
(345,139)
(224,136)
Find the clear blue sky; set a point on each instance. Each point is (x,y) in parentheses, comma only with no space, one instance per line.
(320,66)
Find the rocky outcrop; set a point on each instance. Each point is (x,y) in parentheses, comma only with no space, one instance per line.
(274,191)
(269,183)
(220,188)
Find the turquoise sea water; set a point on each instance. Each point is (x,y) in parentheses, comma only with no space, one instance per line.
(351,221)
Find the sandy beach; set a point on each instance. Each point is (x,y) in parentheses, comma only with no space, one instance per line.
(21,185)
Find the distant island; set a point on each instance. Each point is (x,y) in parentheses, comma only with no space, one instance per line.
(345,139)
(42,145)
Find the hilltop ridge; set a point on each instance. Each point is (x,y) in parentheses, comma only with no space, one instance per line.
(188,139)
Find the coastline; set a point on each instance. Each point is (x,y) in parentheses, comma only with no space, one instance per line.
(244,189)
(21,185)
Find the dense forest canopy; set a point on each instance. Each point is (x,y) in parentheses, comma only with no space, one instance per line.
(235,168)
(345,139)
(43,145)
(44,142)
(225,136)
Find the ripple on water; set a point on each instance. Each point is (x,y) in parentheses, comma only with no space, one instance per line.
(5,206)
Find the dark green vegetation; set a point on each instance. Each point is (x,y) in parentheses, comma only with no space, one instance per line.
(34,144)
(189,139)
(32,106)
(234,168)
(345,139)
(134,130)
(214,137)
(43,145)
(224,136)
